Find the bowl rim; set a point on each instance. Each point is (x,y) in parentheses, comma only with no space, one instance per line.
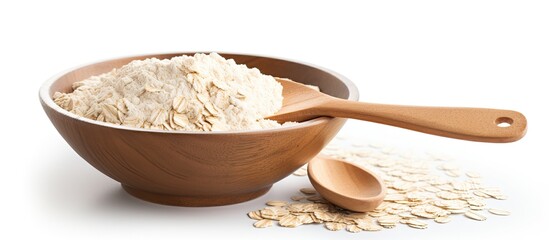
(48,101)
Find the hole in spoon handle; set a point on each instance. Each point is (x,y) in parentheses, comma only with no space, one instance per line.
(504,122)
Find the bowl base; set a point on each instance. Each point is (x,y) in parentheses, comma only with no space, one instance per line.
(193,201)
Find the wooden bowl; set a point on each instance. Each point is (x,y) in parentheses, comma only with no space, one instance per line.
(197,168)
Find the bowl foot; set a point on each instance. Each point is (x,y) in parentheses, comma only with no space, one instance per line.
(193,201)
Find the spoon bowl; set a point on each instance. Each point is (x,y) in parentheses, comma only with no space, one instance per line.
(346,184)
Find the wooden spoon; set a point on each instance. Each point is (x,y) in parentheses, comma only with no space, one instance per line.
(303,103)
(345,184)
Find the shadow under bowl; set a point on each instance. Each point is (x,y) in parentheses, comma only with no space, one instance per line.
(185,168)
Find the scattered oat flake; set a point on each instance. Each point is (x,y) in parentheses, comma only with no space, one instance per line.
(452,173)
(442,213)
(274,213)
(256,215)
(377,214)
(277,203)
(308,191)
(298,198)
(422,213)
(395,197)
(476,202)
(269,214)
(389,226)
(306,218)
(418,226)
(445,187)
(481,194)
(448,195)
(476,208)
(416,223)
(325,216)
(458,211)
(475,216)
(472,174)
(448,166)
(370,227)
(388,220)
(499,212)
(263,223)
(353,228)
(289,221)
(402,185)
(333,226)
(431,189)
(500,197)
(406,215)
(444,219)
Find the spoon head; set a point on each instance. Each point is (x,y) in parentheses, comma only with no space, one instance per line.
(345,184)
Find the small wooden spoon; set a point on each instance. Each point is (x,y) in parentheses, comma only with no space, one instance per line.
(345,184)
(303,103)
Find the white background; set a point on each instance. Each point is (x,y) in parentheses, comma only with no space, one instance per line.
(447,53)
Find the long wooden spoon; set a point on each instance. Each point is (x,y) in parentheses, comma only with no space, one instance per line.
(345,184)
(475,124)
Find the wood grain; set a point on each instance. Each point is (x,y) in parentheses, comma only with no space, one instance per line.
(193,168)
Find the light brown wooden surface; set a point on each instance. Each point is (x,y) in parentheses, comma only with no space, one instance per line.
(195,168)
(475,124)
(345,184)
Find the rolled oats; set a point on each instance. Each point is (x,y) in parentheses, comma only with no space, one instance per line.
(189,93)
(499,212)
(263,223)
(417,192)
(334,226)
(475,215)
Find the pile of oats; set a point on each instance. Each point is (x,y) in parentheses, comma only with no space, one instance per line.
(422,188)
(191,93)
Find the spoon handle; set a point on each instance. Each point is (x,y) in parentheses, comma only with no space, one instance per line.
(474,124)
